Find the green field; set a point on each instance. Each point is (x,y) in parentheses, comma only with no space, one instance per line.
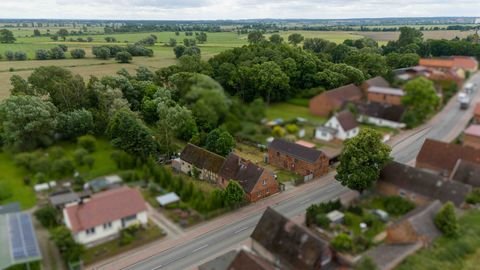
(289,112)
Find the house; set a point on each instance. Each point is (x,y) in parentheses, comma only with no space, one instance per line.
(257,182)
(476,113)
(63,197)
(287,244)
(302,160)
(466,63)
(341,126)
(246,260)
(106,213)
(379,114)
(416,226)
(471,136)
(221,262)
(19,247)
(374,82)
(200,163)
(385,95)
(441,157)
(332,100)
(466,172)
(420,186)
(444,64)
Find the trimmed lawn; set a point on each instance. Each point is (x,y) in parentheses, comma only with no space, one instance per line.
(109,249)
(12,177)
(451,253)
(288,112)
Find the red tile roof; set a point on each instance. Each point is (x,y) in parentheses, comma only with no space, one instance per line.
(465,62)
(105,207)
(437,62)
(473,130)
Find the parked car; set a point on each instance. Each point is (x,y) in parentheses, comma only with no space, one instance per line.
(464,100)
(469,88)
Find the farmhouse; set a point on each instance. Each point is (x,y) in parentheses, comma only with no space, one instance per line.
(329,101)
(106,213)
(385,95)
(420,186)
(199,163)
(257,182)
(416,226)
(441,157)
(289,245)
(342,126)
(471,136)
(379,114)
(302,160)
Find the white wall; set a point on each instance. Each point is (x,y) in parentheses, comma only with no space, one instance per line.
(323,135)
(381,122)
(341,134)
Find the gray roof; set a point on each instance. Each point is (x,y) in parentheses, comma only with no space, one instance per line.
(424,183)
(221,262)
(386,90)
(202,158)
(347,120)
(290,242)
(327,130)
(378,110)
(245,172)
(467,172)
(296,150)
(421,220)
(63,198)
(10,208)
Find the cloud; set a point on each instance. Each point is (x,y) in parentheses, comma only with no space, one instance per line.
(234,9)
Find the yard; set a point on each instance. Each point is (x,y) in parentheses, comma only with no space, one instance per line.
(451,253)
(289,112)
(109,249)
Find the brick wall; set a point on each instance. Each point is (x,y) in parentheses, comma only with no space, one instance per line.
(392,190)
(262,190)
(301,167)
(321,106)
(384,98)
(472,141)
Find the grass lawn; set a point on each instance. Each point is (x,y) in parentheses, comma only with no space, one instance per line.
(289,112)
(112,248)
(451,253)
(12,177)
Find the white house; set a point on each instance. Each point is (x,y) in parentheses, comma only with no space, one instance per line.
(102,216)
(342,126)
(382,115)
(199,162)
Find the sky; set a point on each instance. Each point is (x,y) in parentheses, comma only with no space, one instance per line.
(234,9)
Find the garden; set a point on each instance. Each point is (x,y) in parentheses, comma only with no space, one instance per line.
(354,229)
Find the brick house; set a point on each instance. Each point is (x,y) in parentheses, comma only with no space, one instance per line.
(385,95)
(441,157)
(257,182)
(297,158)
(476,113)
(471,136)
(416,226)
(419,186)
(332,100)
(289,245)
(199,163)
(374,82)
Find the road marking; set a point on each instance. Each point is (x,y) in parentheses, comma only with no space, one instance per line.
(305,201)
(200,248)
(241,229)
(158,267)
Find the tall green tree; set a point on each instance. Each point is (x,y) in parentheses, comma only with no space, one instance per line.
(233,194)
(255,37)
(420,99)
(295,39)
(6,36)
(220,142)
(128,133)
(362,159)
(27,122)
(409,35)
(446,220)
(276,39)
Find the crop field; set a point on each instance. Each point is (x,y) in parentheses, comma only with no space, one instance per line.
(441,34)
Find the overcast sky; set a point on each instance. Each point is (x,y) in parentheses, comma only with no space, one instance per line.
(234,9)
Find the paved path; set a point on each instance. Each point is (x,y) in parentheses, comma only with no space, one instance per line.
(224,233)
(172,229)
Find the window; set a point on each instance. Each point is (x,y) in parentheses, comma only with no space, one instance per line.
(107,225)
(130,218)
(278,154)
(296,160)
(90,231)
(267,191)
(402,193)
(264,182)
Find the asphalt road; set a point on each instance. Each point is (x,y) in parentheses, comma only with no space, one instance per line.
(445,126)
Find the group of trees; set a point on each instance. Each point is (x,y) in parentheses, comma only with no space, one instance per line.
(121,54)
(58,52)
(6,36)
(15,56)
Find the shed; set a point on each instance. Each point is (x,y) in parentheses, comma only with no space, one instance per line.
(168,199)
(336,216)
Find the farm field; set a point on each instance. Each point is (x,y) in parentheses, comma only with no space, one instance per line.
(441,34)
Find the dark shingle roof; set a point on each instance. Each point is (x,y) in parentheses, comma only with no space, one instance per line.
(290,242)
(245,172)
(347,120)
(221,262)
(421,220)
(296,150)
(201,158)
(424,183)
(249,261)
(344,93)
(377,81)
(467,172)
(382,111)
(444,156)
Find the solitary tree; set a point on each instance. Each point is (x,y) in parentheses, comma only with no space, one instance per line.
(6,36)
(233,194)
(295,39)
(420,99)
(362,159)
(276,39)
(123,57)
(77,53)
(446,221)
(255,37)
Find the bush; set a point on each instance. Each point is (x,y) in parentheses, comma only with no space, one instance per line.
(87,142)
(397,206)
(349,219)
(322,221)
(322,208)
(123,160)
(292,129)
(278,132)
(101,52)
(366,263)
(77,53)
(48,217)
(79,156)
(446,221)
(129,176)
(355,209)
(62,167)
(20,56)
(63,47)
(342,243)
(9,55)
(123,57)
(42,54)
(474,196)
(57,53)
